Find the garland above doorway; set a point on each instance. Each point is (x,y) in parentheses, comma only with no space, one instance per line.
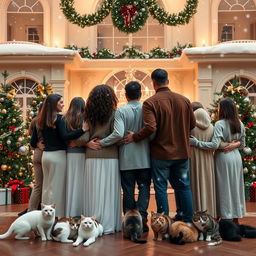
(129,16)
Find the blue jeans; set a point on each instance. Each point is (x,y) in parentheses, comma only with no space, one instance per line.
(177,172)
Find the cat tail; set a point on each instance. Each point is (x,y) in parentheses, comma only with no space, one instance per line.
(8,233)
(217,242)
(55,234)
(136,240)
(177,240)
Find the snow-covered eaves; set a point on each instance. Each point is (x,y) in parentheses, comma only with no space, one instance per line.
(31,52)
(233,51)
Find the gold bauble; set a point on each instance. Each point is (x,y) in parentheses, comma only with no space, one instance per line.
(4,167)
(9,167)
(20,174)
(4,111)
(14,120)
(9,96)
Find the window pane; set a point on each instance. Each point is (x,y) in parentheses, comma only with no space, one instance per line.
(120,44)
(25,9)
(105,43)
(155,42)
(155,30)
(140,43)
(105,31)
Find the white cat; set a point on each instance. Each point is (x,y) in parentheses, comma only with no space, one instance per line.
(89,230)
(41,221)
(66,229)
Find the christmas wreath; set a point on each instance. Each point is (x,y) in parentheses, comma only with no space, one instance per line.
(164,17)
(129,16)
(67,7)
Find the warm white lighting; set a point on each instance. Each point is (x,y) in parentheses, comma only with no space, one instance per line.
(203,42)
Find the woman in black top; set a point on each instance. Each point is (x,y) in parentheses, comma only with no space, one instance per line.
(55,137)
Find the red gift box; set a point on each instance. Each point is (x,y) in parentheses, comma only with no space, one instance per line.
(253,192)
(21,196)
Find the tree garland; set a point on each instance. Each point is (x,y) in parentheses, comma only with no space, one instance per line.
(164,17)
(67,7)
(129,16)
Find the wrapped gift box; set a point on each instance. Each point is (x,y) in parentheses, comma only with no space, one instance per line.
(253,192)
(5,196)
(21,195)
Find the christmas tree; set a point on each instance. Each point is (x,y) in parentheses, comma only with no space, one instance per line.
(15,156)
(247,114)
(43,90)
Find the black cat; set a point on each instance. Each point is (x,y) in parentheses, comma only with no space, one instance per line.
(231,231)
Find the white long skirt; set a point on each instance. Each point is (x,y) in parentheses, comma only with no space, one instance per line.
(102,191)
(54,180)
(75,184)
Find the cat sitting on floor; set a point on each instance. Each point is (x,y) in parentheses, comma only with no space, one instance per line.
(89,230)
(207,226)
(66,230)
(182,233)
(132,226)
(41,221)
(161,225)
(231,231)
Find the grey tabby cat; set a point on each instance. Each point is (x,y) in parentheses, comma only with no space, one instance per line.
(208,227)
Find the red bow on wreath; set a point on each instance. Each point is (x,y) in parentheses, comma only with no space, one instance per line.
(128,14)
(14,184)
(254,184)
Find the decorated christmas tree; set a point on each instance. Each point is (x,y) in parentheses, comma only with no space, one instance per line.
(15,156)
(43,90)
(247,114)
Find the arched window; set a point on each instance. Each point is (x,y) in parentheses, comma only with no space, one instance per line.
(149,37)
(25,89)
(237,20)
(249,84)
(121,78)
(25,21)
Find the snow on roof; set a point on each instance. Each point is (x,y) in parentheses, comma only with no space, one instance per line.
(32,49)
(246,47)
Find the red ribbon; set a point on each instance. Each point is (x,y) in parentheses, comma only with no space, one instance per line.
(15,184)
(128,14)
(254,184)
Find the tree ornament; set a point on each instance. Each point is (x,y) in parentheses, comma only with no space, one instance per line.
(20,139)
(245,170)
(254,168)
(4,167)
(247,150)
(1,99)
(254,115)
(8,142)
(4,111)
(32,113)
(23,150)
(253,176)
(14,120)
(20,174)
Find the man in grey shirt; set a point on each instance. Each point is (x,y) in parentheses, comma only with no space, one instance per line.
(134,158)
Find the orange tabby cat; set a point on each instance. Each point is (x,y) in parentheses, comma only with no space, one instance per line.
(182,233)
(161,225)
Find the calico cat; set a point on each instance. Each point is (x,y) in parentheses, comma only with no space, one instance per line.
(66,230)
(41,221)
(207,226)
(89,230)
(182,233)
(231,231)
(132,226)
(161,225)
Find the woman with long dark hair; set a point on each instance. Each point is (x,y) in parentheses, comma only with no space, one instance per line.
(228,165)
(75,160)
(102,179)
(55,135)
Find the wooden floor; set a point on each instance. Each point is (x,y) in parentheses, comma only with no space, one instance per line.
(115,245)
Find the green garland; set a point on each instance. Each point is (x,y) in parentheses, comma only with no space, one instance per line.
(67,7)
(131,53)
(164,17)
(129,16)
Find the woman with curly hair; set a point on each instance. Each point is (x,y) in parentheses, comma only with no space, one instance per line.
(102,178)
